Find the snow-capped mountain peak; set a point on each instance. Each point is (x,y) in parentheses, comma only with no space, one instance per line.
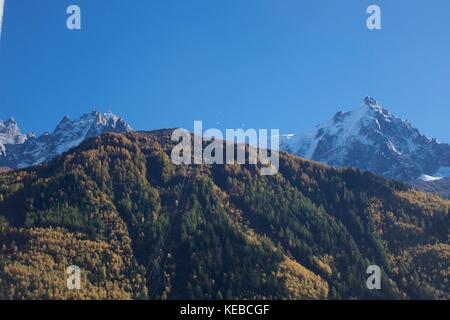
(372,138)
(30,150)
(10,134)
(373,104)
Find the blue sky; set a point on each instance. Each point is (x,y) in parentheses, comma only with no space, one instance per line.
(286,64)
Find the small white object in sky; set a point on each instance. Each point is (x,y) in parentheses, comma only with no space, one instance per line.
(2,4)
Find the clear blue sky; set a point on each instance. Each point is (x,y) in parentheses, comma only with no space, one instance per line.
(286,64)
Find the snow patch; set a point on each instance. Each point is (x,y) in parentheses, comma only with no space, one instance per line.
(427,178)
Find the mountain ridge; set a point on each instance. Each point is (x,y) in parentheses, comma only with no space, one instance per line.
(150,229)
(10,134)
(18,150)
(373,139)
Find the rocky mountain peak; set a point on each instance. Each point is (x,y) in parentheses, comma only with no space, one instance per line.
(19,150)
(371,102)
(10,134)
(374,139)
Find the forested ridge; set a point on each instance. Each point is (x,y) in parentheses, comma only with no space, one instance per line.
(140,227)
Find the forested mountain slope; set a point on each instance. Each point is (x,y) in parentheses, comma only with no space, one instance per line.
(140,227)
